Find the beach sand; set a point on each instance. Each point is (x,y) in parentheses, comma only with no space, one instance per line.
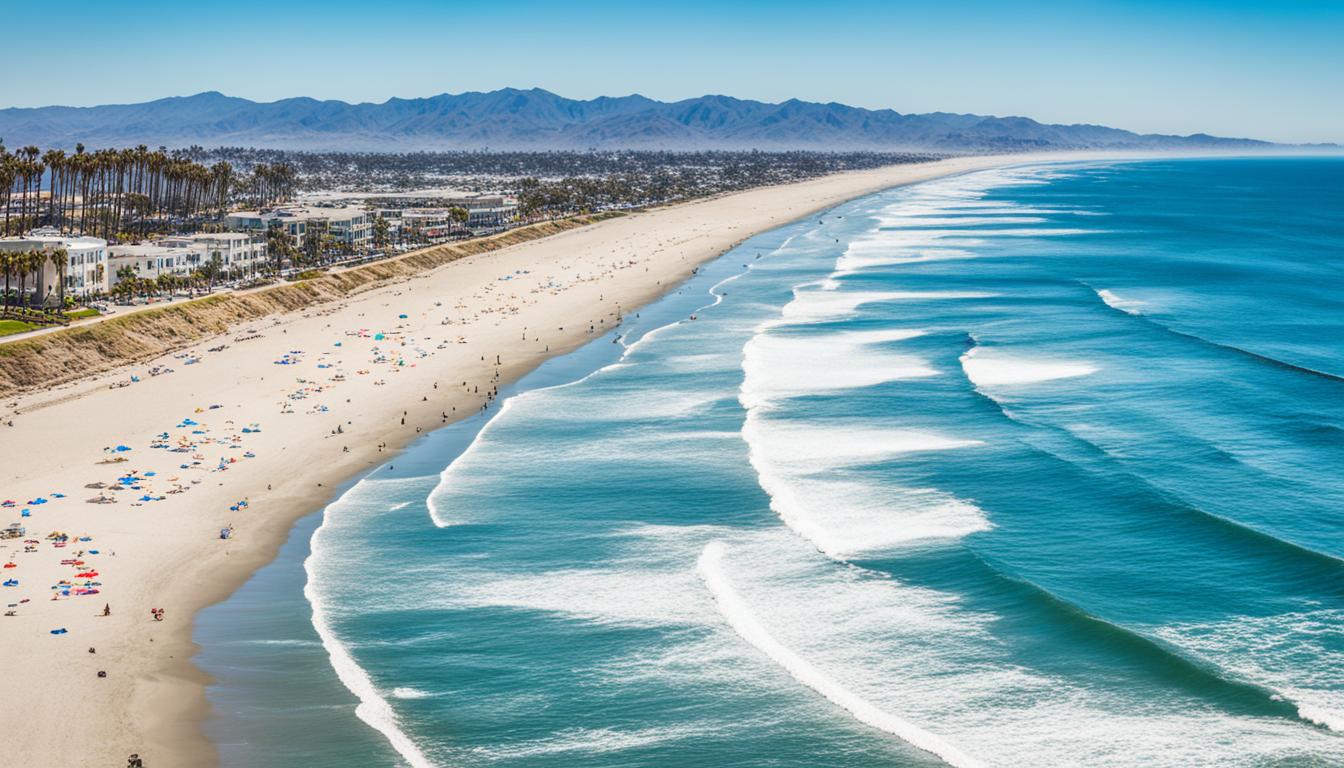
(283,386)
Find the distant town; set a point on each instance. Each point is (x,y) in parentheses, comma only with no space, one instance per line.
(85,232)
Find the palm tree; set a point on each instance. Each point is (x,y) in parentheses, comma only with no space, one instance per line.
(55,160)
(60,258)
(25,262)
(8,259)
(278,245)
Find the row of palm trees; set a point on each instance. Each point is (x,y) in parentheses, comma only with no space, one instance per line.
(18,265)
(127,193)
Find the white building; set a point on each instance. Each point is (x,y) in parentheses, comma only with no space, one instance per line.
(241,254)
(350,226)
(147,262)
(487,212)
(86,269)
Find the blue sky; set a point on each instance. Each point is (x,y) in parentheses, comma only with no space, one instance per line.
(1270,70)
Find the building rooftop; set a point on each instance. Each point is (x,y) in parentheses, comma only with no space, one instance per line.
(301,212)
(49,235)
(147,249)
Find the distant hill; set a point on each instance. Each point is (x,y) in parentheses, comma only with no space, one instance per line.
(539,120)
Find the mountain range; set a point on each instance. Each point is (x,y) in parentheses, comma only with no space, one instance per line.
(512,119)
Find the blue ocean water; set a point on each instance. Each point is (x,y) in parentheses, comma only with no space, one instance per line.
(1035,466)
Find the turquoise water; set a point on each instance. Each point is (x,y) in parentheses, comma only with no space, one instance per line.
(1038,466)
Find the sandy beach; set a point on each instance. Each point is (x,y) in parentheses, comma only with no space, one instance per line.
(257,427)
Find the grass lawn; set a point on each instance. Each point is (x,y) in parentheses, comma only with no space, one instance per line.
(8,327)
(80,314)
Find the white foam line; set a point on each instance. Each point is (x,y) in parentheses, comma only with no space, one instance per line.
(445,477)
(1128,306)
(373,709)
(793,511)
(739,616)
(996,369)
(817,307)
(1319,715)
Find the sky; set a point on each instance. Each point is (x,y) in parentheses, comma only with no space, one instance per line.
(1269,70)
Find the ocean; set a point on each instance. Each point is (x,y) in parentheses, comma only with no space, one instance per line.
(1039,466)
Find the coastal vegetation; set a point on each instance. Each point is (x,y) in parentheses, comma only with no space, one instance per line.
(16,266)
(126,194)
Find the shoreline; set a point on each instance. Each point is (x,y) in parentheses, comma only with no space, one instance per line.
(153,701)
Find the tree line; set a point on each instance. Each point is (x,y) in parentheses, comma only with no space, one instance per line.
(123,194)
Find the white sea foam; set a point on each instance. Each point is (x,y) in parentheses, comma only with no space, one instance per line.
(1330,718)
(1291,654)
(283,642)
(594,741)
(1129,306)
(810,447)
(847,517)
(373,709)
(437,514)
(779,365)
(410,693)
(915,241)
(639,596)
(905,220)
(866,254)
(741,618)
(821,306)
(992,368)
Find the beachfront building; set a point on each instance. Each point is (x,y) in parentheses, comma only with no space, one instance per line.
(241,254)
(148,262)
(487,213)
(419,224)
(238,256)
(262,221)
(86,269)
(351,227)
(348,226)
(414,222)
